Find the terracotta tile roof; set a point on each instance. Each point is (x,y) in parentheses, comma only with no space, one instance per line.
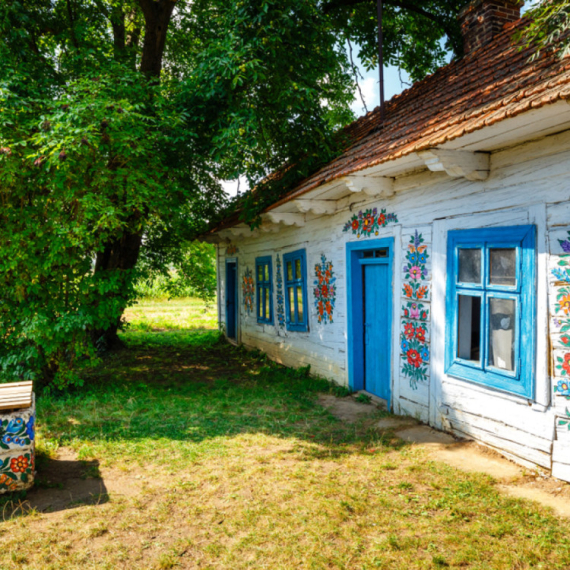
(489,85)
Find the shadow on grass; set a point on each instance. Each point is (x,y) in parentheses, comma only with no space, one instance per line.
(60,484)
(199,391)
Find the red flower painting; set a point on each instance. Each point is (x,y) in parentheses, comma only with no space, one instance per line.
(324,291)
(409,330)
(414,358)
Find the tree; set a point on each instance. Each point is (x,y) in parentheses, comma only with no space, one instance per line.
(417,35)
(548,25)
(118,119)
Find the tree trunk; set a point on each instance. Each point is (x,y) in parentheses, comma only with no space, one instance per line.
(122,254)
(118,256)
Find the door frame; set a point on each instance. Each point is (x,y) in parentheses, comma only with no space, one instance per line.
(232,260)
(355,310)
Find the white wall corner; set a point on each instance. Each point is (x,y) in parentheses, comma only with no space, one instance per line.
(457,163)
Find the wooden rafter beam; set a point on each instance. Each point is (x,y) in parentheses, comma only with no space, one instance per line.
(316,206)
(457,163)
(375,186)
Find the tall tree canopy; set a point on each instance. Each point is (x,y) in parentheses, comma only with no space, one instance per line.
(118,119)
(548,26)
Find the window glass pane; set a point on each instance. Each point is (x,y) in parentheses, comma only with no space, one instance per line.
(381,253)
(289,271)
(260,273)
(469,328)
(367,254)
(300,304)
(267,272)
(502,318)
(265,305)
(260,303)
(469,265)
(297,269)
(291,293)
(503,266)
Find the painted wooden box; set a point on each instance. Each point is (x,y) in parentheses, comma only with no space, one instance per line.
(17,448)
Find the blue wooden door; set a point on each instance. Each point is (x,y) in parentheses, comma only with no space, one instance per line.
(377,328)
(231,300)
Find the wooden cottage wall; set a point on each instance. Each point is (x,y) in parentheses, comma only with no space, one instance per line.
(323,347)
(528,184)
(559,322)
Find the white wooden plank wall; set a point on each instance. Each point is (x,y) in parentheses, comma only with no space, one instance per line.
(559,317)
(523,180)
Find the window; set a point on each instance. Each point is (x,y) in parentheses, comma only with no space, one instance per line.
(491,307)
(264,290)
(296,290)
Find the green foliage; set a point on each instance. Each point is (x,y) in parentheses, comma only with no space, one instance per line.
(194,276)
(97,158)
(548,25)
(113,143)
(417,36)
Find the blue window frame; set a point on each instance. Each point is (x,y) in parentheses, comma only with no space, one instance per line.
(264,285)
(296,290)
(491,298)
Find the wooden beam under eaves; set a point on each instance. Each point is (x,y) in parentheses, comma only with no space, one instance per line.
(241,230)
(375,186)
(316,206)
(457,163)
(286,218)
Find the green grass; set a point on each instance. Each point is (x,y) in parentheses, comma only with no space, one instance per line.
(213,457)
(163,315)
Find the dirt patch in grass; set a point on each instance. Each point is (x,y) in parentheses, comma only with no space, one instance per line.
(346,409)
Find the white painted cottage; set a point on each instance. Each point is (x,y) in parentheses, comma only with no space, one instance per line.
(430,263)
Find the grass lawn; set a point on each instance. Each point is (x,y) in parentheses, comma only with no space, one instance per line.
(206,456)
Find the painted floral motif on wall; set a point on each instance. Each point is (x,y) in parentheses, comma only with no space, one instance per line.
(562,306)
(414,347)
(565,421)
(562,387)
(280,297)
(17,435)
(16,432)
(231,250)
(325,290)
(367,223)
(562,272)
(248,290)
(563,366)
(15,470)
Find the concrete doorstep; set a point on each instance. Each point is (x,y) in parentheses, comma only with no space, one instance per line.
(464,455)
(472,457)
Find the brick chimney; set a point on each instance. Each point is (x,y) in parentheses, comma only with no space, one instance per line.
(482,20)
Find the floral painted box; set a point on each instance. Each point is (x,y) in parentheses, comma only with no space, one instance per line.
(17,448)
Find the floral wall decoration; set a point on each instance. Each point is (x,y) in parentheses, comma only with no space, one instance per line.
(562,387)
(562,291)
(563,367)
(325,290)
(231,250)
(415,352)
(17,450)
(565,421)
(280,297)
(562,272)
(248,290)
(367,223)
